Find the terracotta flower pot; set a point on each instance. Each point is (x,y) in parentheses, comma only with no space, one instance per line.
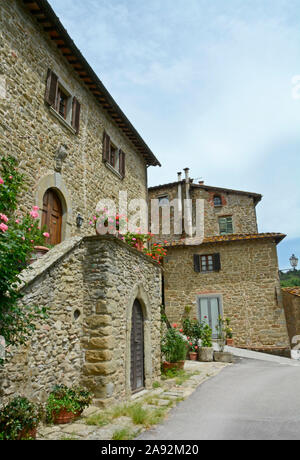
(140,245)
(230,342)
(193,355)
(167,366)
(27,433)
(63,417)
(39,251)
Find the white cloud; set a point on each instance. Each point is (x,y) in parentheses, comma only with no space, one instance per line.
(208,84)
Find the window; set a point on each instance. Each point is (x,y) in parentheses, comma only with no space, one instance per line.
(65,106)
(62,103)
(163,200)
(226,225)
(112,156)
(207,263)
(217,201)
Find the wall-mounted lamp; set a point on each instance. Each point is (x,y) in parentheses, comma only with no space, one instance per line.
(79,221)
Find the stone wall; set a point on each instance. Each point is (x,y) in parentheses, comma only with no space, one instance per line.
(89,286)
(240,206)
(291,302)
(30,132)
(248,284)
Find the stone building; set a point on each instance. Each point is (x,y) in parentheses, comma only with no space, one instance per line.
(230,270)
(70,137)
(75,146)
(291,302)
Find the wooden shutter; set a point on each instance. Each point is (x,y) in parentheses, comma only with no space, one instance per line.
(122,163)
(76,114)
(197,265)
(106,147)
(217,262)
(51,88)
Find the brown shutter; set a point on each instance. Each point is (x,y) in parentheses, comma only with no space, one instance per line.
(51,88)
(106,147)
(122,163)
(76,115)
(197,263)
(217,262)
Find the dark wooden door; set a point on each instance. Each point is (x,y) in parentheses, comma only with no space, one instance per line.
(137,348)
(52,216)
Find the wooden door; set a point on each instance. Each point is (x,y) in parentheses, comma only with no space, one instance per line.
(137,348)
(52,216)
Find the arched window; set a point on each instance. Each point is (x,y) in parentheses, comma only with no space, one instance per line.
(217,201)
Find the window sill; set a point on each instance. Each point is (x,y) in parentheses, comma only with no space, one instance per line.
(113,170)
(62,120)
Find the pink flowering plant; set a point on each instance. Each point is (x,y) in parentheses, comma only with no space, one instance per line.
(18,235)
(106,223)
(115,225)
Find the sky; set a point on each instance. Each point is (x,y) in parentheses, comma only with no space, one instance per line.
(209,85)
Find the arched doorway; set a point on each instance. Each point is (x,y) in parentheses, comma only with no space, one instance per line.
(52,216)
(137,349)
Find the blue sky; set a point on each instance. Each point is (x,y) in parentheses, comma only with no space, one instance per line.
(208,85)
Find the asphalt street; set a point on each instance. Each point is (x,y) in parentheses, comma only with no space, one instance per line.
(250,400)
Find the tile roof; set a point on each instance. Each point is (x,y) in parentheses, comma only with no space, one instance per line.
(227,238)
(293,290)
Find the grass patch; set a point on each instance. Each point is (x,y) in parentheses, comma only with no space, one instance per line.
(123,435)
(101,419)
(68,438)
(179,375)
(138,414)
(156,385)
(156,416)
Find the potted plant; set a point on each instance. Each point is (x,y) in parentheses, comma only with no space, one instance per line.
(221,356)
(174,348)
(206,351)
(65,404)
(193,351)
(229,333)
(19,419)
(193,331)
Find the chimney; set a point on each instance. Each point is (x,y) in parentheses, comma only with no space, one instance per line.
(201,182)
(180,194)
(187,175)
(188,208)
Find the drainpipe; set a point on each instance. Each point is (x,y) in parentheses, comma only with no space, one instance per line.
(188,213)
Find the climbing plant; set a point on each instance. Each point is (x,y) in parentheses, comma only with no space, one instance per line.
(19,233)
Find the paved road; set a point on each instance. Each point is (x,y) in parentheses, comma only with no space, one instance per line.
(250,400)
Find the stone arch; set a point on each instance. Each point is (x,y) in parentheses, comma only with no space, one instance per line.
(56,182)
(139,293)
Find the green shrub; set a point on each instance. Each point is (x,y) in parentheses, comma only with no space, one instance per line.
(73,399)
(173,346)
(17,415)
